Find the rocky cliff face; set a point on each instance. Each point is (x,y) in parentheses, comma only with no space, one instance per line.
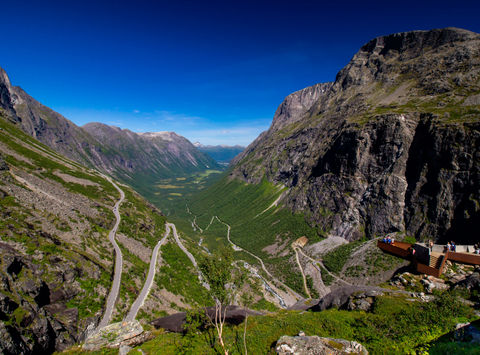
(109,149)
(391,145)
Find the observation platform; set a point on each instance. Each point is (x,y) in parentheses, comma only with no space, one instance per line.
(431,262)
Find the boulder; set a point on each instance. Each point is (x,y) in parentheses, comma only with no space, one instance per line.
(471,283)
(432,284)
(315,345)
(361,304)
(117,335)
(467,332)
(174,323)
(341,297)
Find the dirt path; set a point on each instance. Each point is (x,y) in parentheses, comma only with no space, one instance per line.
(324,268)
(149,281)
(291,294)
(117,275)
(274,279)
(303,274)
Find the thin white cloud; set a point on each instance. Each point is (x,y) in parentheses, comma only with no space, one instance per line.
(194,128)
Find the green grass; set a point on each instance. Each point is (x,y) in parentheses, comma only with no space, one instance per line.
(254,225)
(178,275)
(326,277)
(395,326)
(335,259)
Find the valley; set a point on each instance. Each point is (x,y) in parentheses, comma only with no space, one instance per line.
(106,233)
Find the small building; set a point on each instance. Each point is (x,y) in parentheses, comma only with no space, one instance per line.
(300,242)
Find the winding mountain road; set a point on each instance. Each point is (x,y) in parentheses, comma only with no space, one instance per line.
(288,291)
(189,255)
(132,314)
(117,274)
(237,248)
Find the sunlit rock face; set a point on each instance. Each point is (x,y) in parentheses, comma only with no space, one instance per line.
(391,145)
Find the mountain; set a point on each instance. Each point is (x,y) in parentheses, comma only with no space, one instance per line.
(138,159)
(222,154)
(390,146)
(143,159)
(56,259)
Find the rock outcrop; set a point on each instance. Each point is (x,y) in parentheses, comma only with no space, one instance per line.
(315,345)
(34,317)
(349,297)
(117,335)
(391,145)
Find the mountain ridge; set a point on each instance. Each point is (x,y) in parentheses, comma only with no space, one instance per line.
(359,144)
(149,155)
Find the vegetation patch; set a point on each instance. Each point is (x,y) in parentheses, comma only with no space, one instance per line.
(395,326)
(335,259)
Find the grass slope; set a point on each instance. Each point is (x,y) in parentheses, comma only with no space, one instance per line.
(256,222)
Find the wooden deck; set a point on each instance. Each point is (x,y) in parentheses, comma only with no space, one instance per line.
(464,258)
(436,261)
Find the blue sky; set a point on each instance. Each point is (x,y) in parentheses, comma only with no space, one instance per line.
(213,71)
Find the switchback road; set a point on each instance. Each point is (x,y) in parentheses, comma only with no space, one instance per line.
(117,274)
(150,277)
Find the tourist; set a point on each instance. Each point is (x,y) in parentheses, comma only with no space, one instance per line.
(453,247)
(448,247)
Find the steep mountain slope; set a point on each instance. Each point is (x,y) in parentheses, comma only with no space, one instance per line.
(391,145)
(222,154)
(143,159)
(56,261)
(131,157)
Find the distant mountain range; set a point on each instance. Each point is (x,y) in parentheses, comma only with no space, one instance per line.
(222,154)
(139,159)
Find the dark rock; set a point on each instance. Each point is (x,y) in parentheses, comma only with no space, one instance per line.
(343,296)
(174,323)
(471,283)
(3,164)
(14,265)
(467,332)
(43,296)
(11,342)
(44,336)
(7,306)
